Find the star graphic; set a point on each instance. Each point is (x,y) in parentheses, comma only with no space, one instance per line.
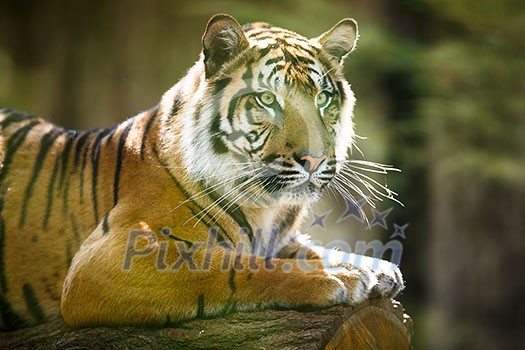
(354,209)
(379,218)
(399,231)
(319,220)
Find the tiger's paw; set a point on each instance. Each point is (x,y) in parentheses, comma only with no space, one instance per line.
(367,278)
(389,280)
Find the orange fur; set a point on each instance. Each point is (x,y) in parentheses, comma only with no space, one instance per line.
(71,200)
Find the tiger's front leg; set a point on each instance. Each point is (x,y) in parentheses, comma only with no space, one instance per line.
(380,278)
(167,281)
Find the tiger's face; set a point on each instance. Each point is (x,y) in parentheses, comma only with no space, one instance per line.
(276,116)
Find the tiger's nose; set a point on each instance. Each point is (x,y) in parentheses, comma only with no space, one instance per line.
(310,163)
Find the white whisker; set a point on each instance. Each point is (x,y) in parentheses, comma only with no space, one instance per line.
(217,202)
(217,186)
(340,187)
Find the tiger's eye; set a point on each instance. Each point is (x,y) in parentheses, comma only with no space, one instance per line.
(267,98)
(322,99)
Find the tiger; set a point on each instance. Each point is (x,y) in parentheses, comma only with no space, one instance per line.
(191,209)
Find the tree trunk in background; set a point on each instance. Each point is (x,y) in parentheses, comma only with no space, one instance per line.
(476,263)
(477,202)
(473,108)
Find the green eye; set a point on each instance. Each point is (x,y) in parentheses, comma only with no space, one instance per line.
(266,98)
(322,99)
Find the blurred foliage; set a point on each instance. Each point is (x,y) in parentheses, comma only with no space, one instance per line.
(476,95)
(440,94)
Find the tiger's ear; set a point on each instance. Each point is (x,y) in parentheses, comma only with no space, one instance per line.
(222,40)
(340,40)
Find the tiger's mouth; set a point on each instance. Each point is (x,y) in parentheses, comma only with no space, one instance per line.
(266,184)
(303,185)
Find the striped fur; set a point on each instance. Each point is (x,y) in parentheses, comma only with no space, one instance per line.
(239,147)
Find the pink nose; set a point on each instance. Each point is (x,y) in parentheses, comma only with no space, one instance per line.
(312,163)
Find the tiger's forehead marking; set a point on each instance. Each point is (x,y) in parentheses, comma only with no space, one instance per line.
(263,35)
(287,58)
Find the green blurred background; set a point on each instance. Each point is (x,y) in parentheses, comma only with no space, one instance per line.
(440,88)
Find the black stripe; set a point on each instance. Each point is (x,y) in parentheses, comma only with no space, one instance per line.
(74,226)
(263,52)
(296,38)
(9,316)
(262,82)
(32,304)
(210,218)
(291,218)
(232,106)
(266,37)
(310,82)
(257,34)
(195,212)
(256,28)
(81,141)
(268,81)
(175,108)
(276,68)
(151,119)
(341,90)
(231,278)
(290,57)
(248,106)
(14,142)
(332,85)
(14,117)
(274,30)
(187,195)
(234,211)
(50,193)
(217,143)
(219,85)
(218,92)
(71,136)
(79,148)
(263,143)
(311,51)
(65,200)
(105,224)
(47,141)
(95,157)
(271,158)
(82,168)
(166,232)
(120,156)
(325,83)
(305,60)
(200,306)
(274,60)
(248,75)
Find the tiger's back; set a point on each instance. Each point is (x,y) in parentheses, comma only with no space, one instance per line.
(56,186)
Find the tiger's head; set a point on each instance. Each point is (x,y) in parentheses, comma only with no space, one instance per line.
(272,113)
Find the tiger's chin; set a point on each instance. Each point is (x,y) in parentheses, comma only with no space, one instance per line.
(305,193)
